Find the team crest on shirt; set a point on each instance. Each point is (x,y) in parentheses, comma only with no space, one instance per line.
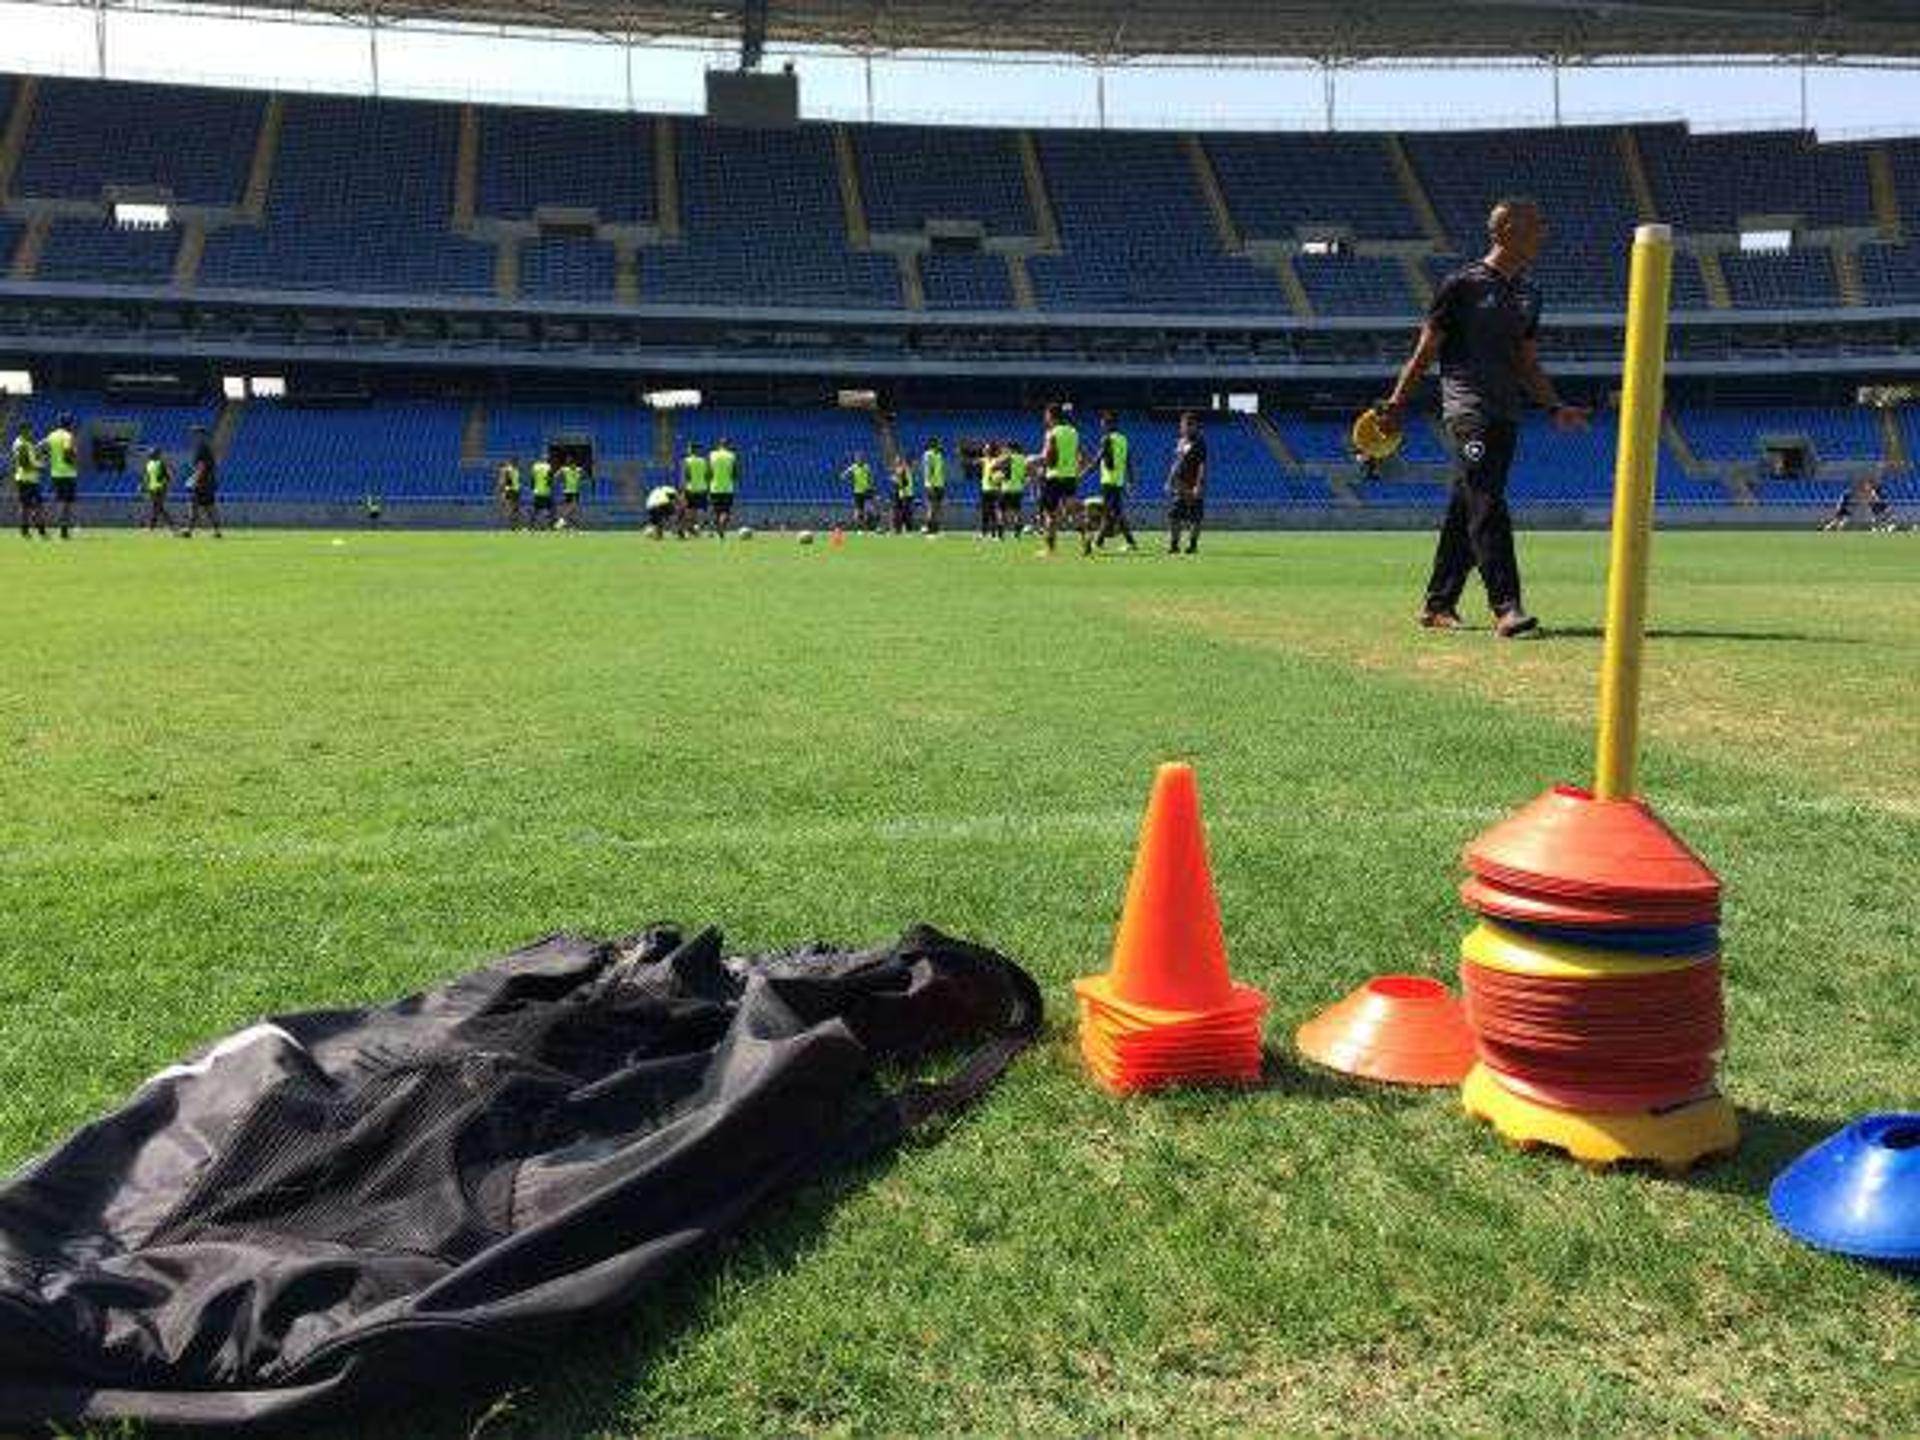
(1475,451)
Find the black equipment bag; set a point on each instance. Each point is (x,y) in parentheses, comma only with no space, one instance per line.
(329,1209)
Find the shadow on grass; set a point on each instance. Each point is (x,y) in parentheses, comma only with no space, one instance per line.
(1745,637)
(1284,1072)
(1769,1142)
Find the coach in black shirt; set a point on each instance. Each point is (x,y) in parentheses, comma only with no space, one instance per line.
(1482,327)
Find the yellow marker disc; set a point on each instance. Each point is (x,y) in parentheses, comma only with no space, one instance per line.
(1497,948)
(1370,438)
(1673,1139)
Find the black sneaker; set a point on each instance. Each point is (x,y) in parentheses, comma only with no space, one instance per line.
(1514,623)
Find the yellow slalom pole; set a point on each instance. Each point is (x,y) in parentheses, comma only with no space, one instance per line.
(1615,773)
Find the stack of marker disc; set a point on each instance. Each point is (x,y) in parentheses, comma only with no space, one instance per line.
(1168,1012)
(1593,984)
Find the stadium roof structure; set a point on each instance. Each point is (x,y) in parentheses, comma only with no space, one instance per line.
(1316,30)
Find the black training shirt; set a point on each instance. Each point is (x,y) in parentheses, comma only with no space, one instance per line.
(1189,457)
(1482,317)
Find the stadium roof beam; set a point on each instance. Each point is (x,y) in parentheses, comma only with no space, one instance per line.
(1116,30)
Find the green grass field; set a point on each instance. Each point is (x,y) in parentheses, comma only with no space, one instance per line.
(291,771)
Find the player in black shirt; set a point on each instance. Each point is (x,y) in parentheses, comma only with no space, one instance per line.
(205,486)
(1483,327)
(1187,485)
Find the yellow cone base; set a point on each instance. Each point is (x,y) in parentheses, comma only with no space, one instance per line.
(1675,1140)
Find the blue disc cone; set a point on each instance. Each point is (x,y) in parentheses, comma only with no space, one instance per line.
(1857,1193)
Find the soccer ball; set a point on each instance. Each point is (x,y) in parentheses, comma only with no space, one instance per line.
(745,532)
(560,524)
(806,537)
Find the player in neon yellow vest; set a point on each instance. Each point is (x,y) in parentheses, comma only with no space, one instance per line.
(933,479)
(723,479)
(1060,471)
(859,475)
(506,487)
(541,474)
(1116,475)
(63,469)
(1013,490)
(992,466)
(26,484)
(902,495)
(572,477)
(693,490)
(156,477)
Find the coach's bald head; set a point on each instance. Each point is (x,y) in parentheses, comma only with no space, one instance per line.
(1516,226)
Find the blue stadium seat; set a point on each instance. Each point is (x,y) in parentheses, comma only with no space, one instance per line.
(1100,185)
(787,456)
(763,225)
(1275,184)
(1579,179)
(529,158)
(362,200)
(97,250)
(1708,182)
(1838,432)
(402,450)
(87,135)
(1355,285)
(566,268)
(911,174)
(961,281)
(1890,274)
(524,429)
(1799,278)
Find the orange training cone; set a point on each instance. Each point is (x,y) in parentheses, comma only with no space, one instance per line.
(1400,1029)
(1168,1011)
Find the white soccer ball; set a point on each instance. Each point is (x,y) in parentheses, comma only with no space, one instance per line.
(806,537)
(745,532)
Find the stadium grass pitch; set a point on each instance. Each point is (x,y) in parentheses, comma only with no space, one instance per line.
(282,772)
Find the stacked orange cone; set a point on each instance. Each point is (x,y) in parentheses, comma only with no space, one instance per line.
(1168,1012)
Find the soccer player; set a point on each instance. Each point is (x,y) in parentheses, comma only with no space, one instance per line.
(203,497)
(570,478)
(26,484)
(693,490)
(992,465)
(859,475)
(933,479)
(1842,513)
(1187,485)
(1879,512)
(1116,474)
(63,469)
(662,502)
(1483,328)
(374,507)
(1013,488)
(541,474)
(506,486)
(723,478)
(1060,471)
(902,495)
(157,479)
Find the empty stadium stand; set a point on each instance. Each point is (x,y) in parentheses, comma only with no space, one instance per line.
(357,196)
(361,200)
(89,139)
